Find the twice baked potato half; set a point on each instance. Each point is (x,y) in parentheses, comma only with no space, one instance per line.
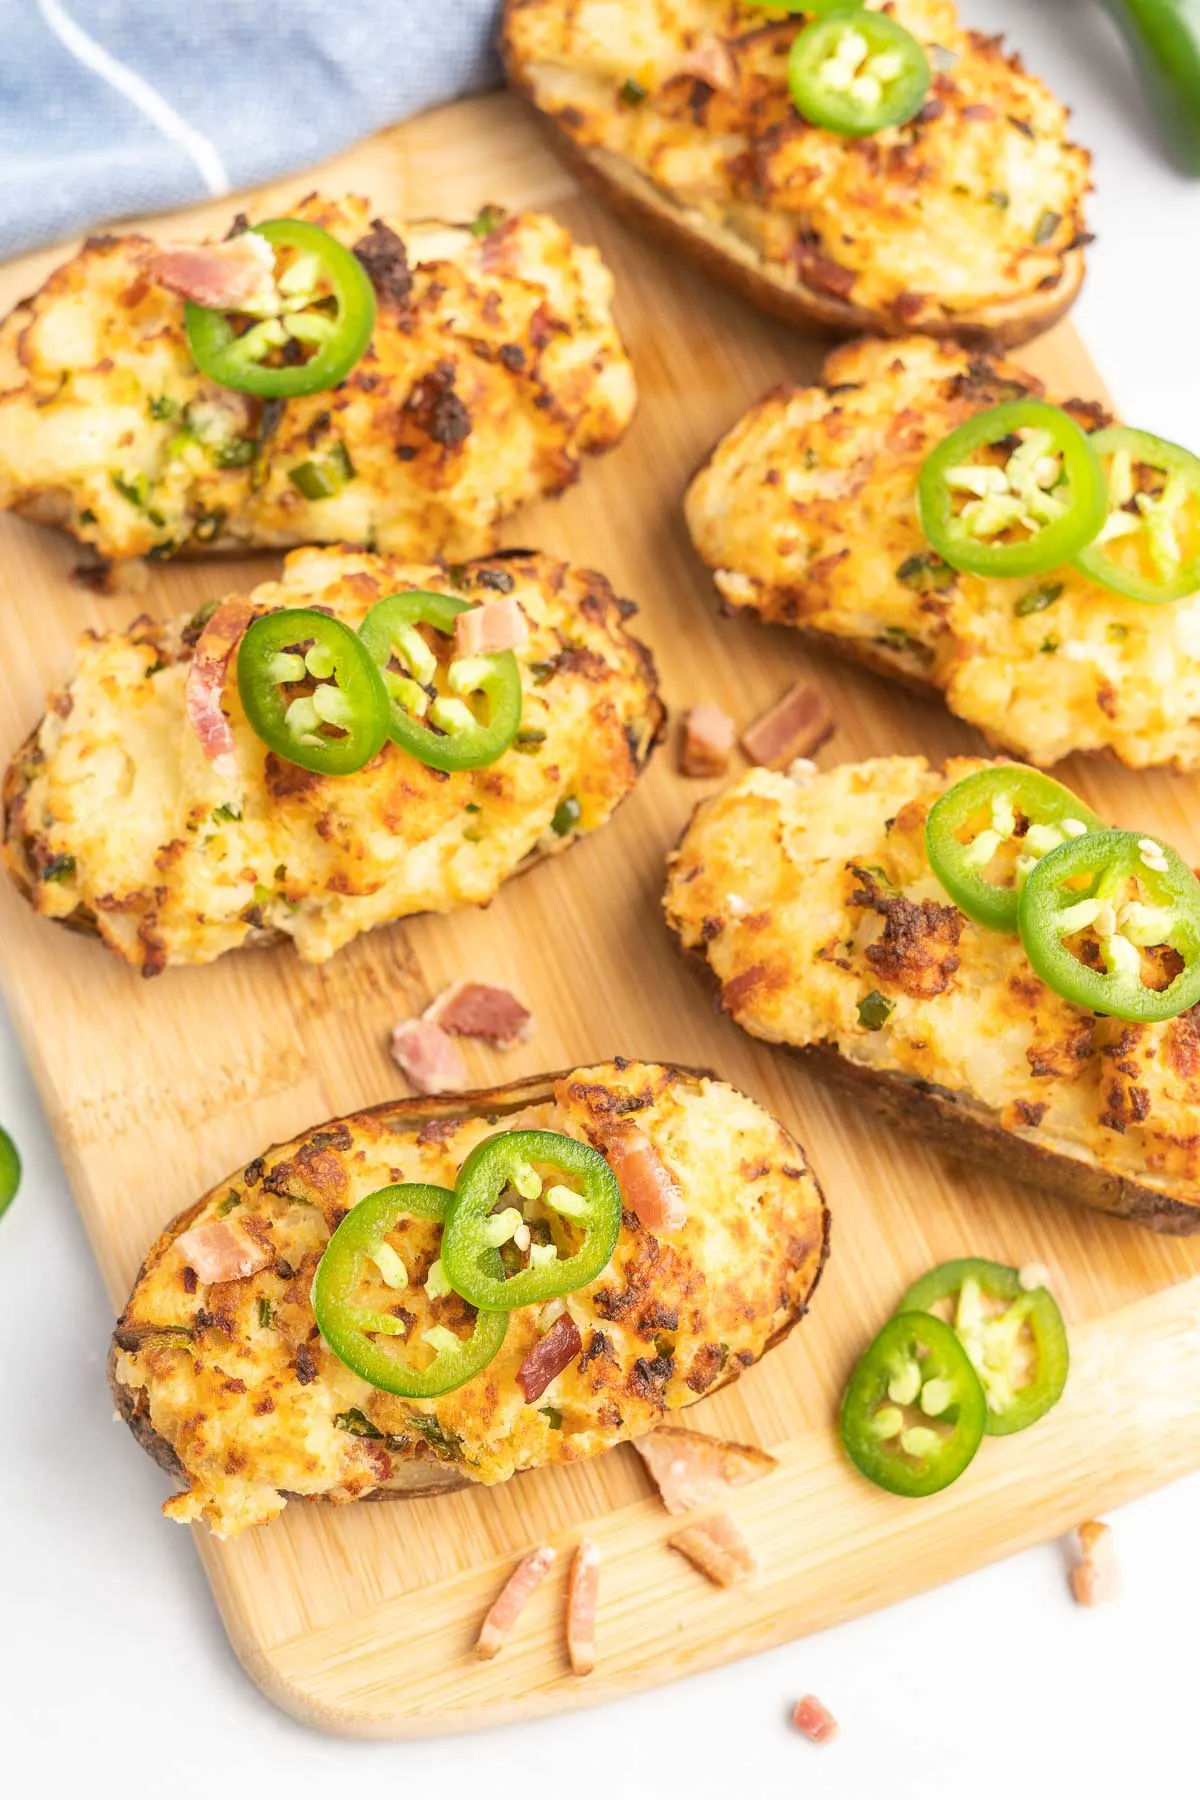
(493,367)
(231,1386)
(806,512)
(814,905)
(119,822)
(967,221)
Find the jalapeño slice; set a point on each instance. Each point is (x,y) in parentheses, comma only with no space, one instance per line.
(1014,1336)
(566,1185)
(321,325)
(353,1330)
(470,725)
(10,1171)
(311,692)
(1148,547)
(1111,922)
(857,72)
(1016,490)
(987,832)
(914,1412)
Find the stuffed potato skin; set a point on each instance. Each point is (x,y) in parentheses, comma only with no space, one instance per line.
(968,221)
(232,1387)
(486,381)
(805,897)
(117,823)
(806,514)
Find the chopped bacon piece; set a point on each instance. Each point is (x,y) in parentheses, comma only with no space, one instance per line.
(217,1253)
(431,1060)
(549,1357)
(814,1720)
(1097,1577)
(708,735)
(795,726)
(473,1009)
(206,682)
(582,1593)
(510,1602)
(692,1470)
(647,1186)
(496,625)
(711,60)
(236,274)
(717,1548)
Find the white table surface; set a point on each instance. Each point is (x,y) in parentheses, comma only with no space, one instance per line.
(115,1674)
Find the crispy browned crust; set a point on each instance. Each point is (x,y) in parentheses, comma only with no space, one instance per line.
(959,1129)
(412,1112)
(729,260)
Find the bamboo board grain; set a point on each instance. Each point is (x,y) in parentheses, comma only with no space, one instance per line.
(360,1620)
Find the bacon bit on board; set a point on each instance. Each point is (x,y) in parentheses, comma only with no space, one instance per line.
(1096,1578)
(237,274)
(473,1009)
(125,575)
(494,626)
(717,1548)
(206,681)
(711,60)
(692,1470)
(512,1599)
(582,1593)
(795,726)
(217,1253)
(707,742)
(549,1357)
(647,1186)
(431,1060)
(814,1720)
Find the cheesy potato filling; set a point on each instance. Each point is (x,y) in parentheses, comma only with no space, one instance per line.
(117,820)
(235,1379)
(814,904)
(977,201)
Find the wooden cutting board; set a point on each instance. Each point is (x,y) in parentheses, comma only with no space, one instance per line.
(361,1620)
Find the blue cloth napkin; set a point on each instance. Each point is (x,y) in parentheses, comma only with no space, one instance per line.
(111,107)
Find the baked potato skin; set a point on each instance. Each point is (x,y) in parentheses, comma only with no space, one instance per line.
(482,389)
(232,1387)
(968,222)
(806,514)
(802,899)
(116,823)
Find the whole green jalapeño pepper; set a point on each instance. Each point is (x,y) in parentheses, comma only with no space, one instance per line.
(1016,490)
(323,323)
(587,1202)
(311,692)
(1013,1334)
(914,1412)
(1111,922)
(857,72)
(987,832)
(1148,547)
(450,730)
(352,1331)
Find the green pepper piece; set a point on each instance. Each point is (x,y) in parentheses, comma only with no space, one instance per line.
(1148,547)
(353,1331)
(995,510)
(914,1412)
(337,339)
(10,1171)
(1111,897)
(509,1159)
(857,73)
(1014,1336)
(1165,38)
(985,834)
(447,733)
(311,692)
